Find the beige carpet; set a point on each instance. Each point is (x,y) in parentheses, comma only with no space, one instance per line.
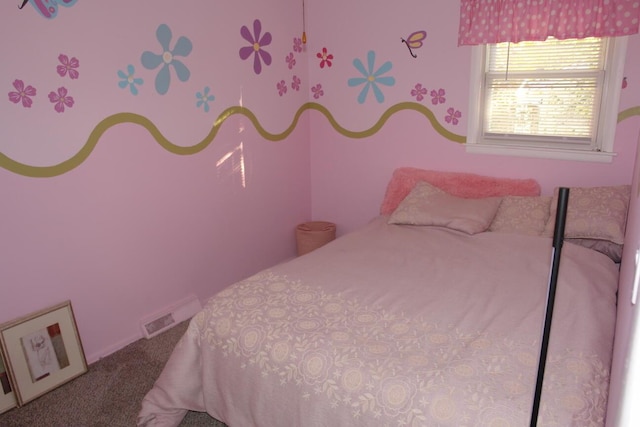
(109,394)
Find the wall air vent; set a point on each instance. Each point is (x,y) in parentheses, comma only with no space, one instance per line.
(170,316)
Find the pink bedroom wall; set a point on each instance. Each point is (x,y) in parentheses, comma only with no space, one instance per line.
(361,167)
(133,228)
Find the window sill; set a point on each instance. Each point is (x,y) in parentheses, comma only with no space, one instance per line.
(545,153)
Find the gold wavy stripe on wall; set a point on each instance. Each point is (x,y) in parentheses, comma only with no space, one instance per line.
(629,112)
(67,165)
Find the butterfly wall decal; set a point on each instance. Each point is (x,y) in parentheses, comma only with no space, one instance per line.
(48,8)
(414,41)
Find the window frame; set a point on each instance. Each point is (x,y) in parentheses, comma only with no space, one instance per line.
(607,116)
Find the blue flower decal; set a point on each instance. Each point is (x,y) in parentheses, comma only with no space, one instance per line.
(371,78)
(152,60)
(204,98)
(128,79)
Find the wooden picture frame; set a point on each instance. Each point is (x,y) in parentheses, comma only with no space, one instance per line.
(42,351)
(7,396)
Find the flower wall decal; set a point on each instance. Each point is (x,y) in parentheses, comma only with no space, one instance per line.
(282,87)
(297,44)
(437,97)
(128,80)
(325,58)
(419,92)
(203,99)
(371,78)
(23,93)
(317,91)
(452,116)
(256,47)
(61,99)
(167,59)
(68,66)
(295,83)
(290,60)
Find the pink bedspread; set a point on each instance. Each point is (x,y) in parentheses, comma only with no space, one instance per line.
(399,326)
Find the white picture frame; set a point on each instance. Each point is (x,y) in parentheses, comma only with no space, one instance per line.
(42,351)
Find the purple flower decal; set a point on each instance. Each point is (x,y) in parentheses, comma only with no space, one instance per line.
(452,116)
(419,92)
(437,97)
(22,93)
(282,87)
(291,61)
(61,99)
(297,44)
(317,91)
(257,43)
(68,66)
(295,84)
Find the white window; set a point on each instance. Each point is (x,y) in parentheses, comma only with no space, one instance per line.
(554,99)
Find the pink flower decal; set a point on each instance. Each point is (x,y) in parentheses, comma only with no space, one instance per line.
(297,44)
(452,116)
(325,58)
(282,87)
(419,92)
(61,99)
(317,91)
(68,66)
(295,84)
(22,93)
(437,97)
(291,61)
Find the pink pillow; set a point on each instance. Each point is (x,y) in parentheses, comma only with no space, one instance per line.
(428,205)
(458,184)
(593,213)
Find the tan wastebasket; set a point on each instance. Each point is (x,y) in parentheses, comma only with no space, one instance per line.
(313,234)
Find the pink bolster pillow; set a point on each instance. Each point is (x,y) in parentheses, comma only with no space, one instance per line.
(467,185)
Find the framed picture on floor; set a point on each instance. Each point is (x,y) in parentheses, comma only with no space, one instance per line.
(7,396)
(42,351)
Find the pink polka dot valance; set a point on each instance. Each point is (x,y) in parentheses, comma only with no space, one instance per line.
(496,21)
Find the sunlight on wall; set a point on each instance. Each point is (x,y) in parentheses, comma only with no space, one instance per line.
(236,156)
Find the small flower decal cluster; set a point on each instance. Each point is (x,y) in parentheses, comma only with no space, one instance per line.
(370,78)
(167,58)
(61,99)
(419,92)
(258,42)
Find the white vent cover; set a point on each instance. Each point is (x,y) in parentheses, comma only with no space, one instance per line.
(171,316)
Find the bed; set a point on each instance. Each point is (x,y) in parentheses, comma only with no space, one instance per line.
(429,315)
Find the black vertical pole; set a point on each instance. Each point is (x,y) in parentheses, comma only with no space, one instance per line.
(558,237)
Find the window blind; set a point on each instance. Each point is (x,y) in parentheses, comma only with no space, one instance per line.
(549,90)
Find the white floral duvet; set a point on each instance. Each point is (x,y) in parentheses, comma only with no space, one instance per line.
(399,326)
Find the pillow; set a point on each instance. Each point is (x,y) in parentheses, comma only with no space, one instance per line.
(610,249)
(522,215)
(467,185)
(428,205)
(593,213)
